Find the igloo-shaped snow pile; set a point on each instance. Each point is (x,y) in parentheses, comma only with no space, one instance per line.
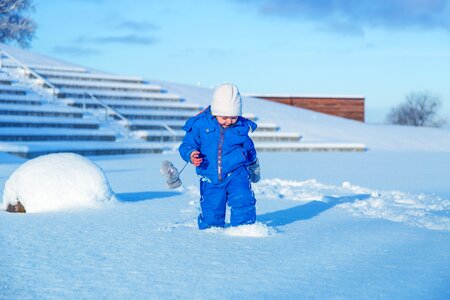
(56,182)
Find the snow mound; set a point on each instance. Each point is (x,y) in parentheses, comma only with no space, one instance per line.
(57,182)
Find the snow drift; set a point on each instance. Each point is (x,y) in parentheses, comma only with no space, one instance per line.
(57,182)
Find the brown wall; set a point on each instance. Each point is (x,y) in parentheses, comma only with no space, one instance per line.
(350,108)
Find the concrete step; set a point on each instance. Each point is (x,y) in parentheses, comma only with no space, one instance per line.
(121,95)
(133,104)
(34,149)
(263,126)
(155,124)
(153,114)
(178,125)
(104,85)
(54,134)
(177,135)
(41,111)
(5,79)
(53,74)
(264,136)
(310,147)
(12,90)
(47,122)
(23,101)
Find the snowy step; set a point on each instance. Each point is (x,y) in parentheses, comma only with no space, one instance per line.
(29,96)
(65,68)
(262,126)
(250,116)
(34,149)
(12,90)
(310,147)
(133,104)
(39,122)
(5,82)
(105,85)
(111,94)
(177,135)
(155,114)
(15,99)
(137,124)
(33,110)
(275,136)
(156,124)
(55,134)
(5,77)
(135,114)
(160,135)
(85,76)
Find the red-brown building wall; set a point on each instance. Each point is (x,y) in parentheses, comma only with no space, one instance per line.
(345,107)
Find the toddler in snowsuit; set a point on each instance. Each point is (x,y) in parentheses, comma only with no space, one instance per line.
(217,143)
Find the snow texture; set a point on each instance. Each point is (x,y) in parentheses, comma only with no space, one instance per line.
(324,230)
(57,182)
(372,225)
(428,211)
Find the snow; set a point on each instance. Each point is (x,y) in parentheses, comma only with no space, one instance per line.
(35,59)
(5,131)
(428,211)
(57,182)
(362,225)
(330,225)
(120,94)
(253,230)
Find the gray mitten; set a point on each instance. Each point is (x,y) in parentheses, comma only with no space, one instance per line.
(171,173)
(255,171)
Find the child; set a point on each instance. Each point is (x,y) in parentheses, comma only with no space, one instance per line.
(217,143)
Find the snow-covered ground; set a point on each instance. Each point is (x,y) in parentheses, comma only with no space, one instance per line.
(330,225)
(372,225)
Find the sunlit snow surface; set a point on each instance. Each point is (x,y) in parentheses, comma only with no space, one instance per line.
(324,230)
(429,211)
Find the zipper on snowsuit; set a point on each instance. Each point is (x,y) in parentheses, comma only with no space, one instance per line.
(219,154)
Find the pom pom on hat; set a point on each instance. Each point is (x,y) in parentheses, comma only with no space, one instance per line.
(226,101)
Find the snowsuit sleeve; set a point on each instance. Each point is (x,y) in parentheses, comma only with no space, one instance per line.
(191,140)
(251,151)
(248,144)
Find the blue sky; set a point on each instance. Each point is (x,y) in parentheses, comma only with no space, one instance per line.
(380,49)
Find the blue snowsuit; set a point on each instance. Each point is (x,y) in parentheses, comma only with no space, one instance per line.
(226,153)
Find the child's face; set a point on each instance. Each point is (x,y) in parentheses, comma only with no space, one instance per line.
(226,121)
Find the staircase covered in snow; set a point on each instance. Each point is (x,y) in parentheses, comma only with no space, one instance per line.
(48,106)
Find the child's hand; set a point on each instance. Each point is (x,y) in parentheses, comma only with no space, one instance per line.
(196,158)
(255,172)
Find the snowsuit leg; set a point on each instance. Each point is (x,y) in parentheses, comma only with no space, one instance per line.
(234,189)
(241,200)
(213,199)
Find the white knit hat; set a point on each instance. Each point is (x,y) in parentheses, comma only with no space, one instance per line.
(226,101)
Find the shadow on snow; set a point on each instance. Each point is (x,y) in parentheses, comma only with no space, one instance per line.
(306,211)
(143,196)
